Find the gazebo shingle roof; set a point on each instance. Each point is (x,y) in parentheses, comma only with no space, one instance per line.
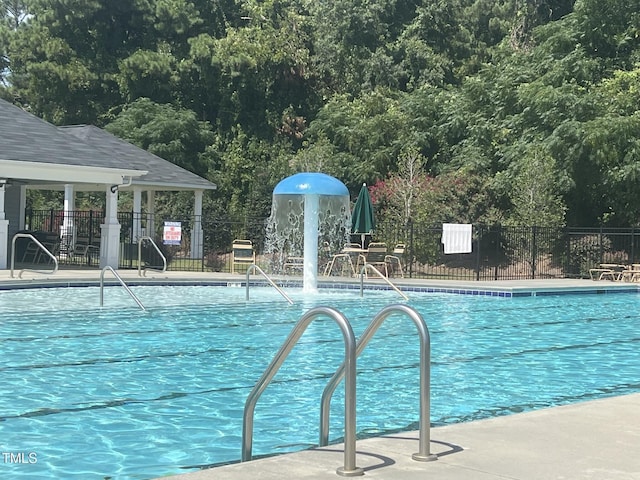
(27,138)
(161,172)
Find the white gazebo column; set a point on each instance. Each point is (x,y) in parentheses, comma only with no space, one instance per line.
(66,233)
(22,207)
(110,231)
(196,233)
(137,215)
(151,211)
(4,229)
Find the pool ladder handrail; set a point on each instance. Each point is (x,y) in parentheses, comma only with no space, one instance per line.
(423,455)
(40,246)
(119,278)
(349,468)
(363,271)
(143,271)
(253,266)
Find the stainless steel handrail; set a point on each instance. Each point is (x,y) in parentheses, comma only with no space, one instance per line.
(348,370)
(133,295)
(40,245)
(253,266)
(423,454)
(377,272)
(164,259)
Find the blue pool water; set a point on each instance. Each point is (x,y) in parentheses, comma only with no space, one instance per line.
(112,392)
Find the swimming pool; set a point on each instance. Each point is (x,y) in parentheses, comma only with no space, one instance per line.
(117,393)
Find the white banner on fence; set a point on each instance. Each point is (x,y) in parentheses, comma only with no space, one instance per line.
(456,237)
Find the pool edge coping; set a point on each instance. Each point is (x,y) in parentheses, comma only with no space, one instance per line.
(505,288)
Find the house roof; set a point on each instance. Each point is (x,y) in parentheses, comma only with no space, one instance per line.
(162,173)
(37,152)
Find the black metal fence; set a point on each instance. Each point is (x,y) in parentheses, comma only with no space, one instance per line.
(498,252)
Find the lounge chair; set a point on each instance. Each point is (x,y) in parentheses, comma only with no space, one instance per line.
(607,271)
(630,274)
(243,254)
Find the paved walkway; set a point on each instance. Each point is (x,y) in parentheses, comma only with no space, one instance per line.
(597,440)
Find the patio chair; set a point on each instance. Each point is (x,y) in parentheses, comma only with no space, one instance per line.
(295,264)
(243,254)
(31,252)
(51,242)
(375,255)
(395,259)
(86,250)
(346,257)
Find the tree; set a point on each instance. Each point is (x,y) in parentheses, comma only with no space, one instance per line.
(263,70)
(367,134)
(246,170)
(610,28)
(535,188)
(174,134)
(404,189)
(13,13)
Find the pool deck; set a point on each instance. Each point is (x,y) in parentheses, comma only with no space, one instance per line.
(595,440)
(131,277)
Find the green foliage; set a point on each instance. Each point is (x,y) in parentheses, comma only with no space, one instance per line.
(588,252)
(610,28)
(535,188)
(246,170)
(413,196)
(518,112)
(171,133)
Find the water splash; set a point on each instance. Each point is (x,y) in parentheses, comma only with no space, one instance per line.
(310,219)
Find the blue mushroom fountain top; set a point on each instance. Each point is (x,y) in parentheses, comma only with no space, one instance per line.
(311,183)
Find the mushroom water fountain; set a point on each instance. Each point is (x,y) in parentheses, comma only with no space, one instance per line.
(308,208)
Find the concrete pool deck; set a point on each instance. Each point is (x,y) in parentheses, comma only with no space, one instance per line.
(81,277)
(597,439)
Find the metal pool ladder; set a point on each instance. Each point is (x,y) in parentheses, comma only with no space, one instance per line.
(379,273)
(423,454)
(40,246)
(133,295)
(348,371)
(253,266)
(141,271)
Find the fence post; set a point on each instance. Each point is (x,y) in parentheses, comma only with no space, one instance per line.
(90,233)
(410,228)
(534,250)
(28,219)
(600,246)
(497,238)
(633,255)
(568,264)
(477,253)
(52,217)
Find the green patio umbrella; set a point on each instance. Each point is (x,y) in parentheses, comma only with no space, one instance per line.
(362,219)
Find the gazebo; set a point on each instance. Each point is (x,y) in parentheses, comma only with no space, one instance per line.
(37,154)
